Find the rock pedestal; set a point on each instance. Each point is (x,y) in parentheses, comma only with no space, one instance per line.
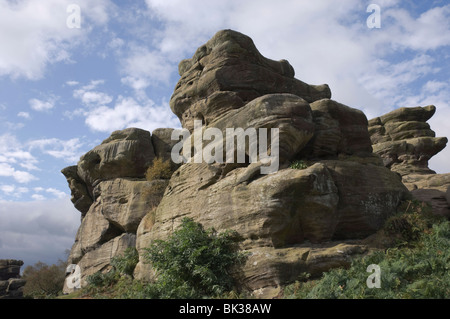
(405,142)
(11,285)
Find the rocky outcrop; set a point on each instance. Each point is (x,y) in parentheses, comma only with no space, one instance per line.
(109,188)
(352,177)
(11,285)
(228,72)
(405,142)
(293,220)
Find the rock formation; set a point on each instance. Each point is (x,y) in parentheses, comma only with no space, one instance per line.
(11,285)
(405,142)
(109,188)
(291,221)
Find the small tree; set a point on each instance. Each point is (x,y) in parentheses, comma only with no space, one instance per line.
(44,281)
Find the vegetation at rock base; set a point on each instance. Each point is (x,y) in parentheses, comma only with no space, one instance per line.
(299,164)
(44,281)
(191,263)
(416,266)
(159,169)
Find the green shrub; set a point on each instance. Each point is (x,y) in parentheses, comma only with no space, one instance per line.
(299,164)
(120,265)
(191,263)
(194,262)
(419,271)
(414,219)
(125,264)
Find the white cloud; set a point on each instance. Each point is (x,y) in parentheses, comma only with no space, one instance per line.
(13,153)
(56,193)
(93,97)
(40,106)
(68,150)
(38,197)
(143,67)
(24,115)
(427,32)
(7,170)
(127,112)
(90,97)
(72,83)
(36,33)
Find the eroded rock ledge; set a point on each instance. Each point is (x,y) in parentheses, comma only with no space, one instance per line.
(405,142)
(291,221)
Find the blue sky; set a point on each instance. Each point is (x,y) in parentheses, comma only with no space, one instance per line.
(63,90)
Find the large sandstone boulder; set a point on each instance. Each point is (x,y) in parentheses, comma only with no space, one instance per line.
(109,189)
(80,196)
(228,72)
(290,221)
(11,285)
(328,201)
(125,153)
(339,129)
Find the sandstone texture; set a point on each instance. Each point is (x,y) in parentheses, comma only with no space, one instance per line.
(226,73)
(11,285)
(291,221)
(405,142)
(109,188)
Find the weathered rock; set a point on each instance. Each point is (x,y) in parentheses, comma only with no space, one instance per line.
(331,199)
(228,72)
(163,143)
(99,258)
(287,112)
(435,198)
(10,268)
(79,192)
(291,221)
(119,207)
(430,181)
(405,141)
(431,188)
(126,153)
(369,194)
(447,196)
(266,269)
(11,285)
(339,129)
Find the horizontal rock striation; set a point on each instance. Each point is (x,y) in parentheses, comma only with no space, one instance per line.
(406,142)
(11,285)
(294,220)
(109,188)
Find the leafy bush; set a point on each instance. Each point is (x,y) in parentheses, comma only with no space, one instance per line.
(194,262)
(159,169)
(121,265)
(191,263)
(299,164)
(125,264)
